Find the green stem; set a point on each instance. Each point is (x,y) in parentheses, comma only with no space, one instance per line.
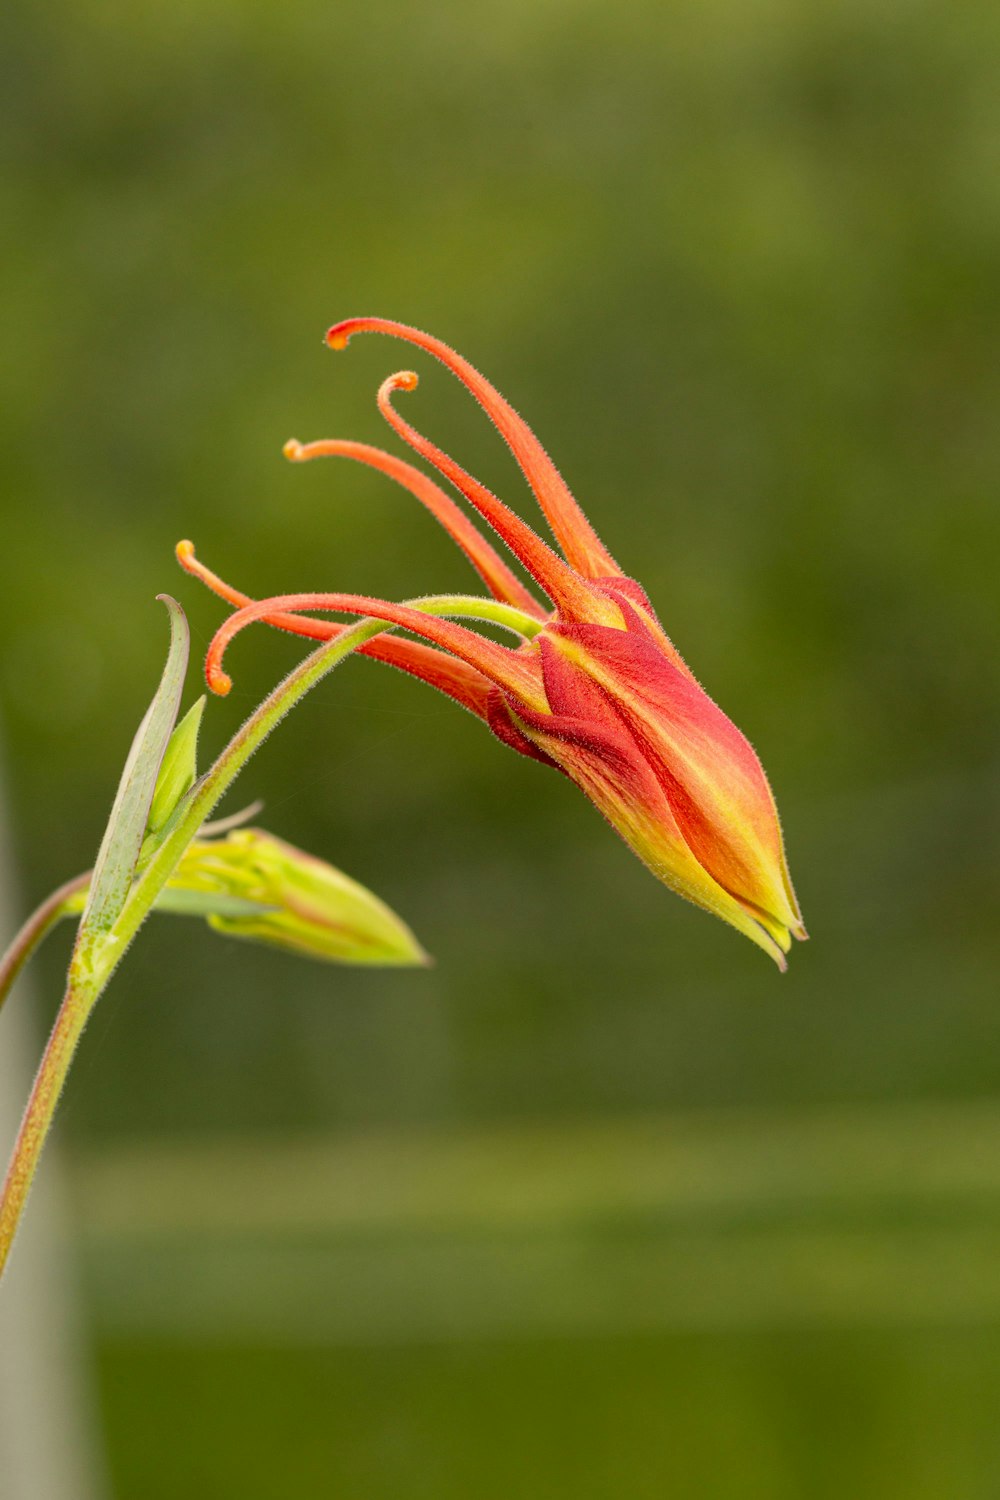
(97,956)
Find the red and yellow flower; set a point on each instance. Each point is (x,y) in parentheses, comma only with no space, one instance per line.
(595,687)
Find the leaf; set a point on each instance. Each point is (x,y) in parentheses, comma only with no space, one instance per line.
(119,851)
(179,768)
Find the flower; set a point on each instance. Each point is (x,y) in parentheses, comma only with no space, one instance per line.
(595,687)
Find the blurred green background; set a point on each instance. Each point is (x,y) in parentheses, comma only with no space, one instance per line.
(600,1206)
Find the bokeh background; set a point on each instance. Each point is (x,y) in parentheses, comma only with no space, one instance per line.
(601,1205)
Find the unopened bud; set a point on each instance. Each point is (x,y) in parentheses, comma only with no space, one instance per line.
(253,885)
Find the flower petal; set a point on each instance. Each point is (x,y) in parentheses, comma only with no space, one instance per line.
(708,770)
(607,764)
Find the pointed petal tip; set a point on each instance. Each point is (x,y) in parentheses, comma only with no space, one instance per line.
(404,952)
(779,951)
(772,945)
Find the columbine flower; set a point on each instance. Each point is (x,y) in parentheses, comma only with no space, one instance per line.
(595,687)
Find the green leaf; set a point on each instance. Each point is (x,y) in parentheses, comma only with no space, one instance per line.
(119,851)
(179,769)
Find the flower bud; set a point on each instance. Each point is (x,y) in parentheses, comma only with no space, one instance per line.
(253,885)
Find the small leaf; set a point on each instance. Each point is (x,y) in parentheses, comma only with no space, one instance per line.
(179,769)
(119,851)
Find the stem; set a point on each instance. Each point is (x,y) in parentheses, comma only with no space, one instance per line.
(73,1013)
(96,956)
(36,928)
(509,616)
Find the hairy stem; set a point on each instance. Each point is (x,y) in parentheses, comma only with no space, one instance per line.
(36,929)
(73,1013)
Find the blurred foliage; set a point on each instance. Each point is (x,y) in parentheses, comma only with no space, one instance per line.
(736,261)
(737,1416)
